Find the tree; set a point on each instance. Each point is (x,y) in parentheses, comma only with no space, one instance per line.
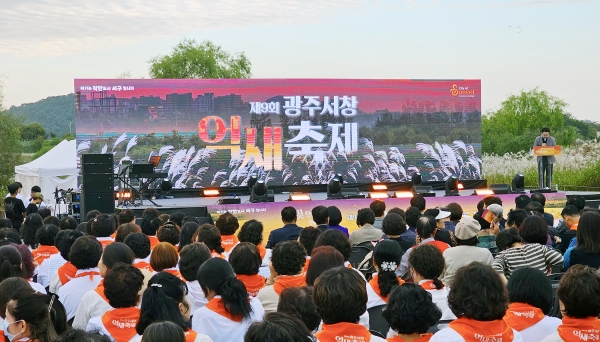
(207,60)
(10,145)
(32,131)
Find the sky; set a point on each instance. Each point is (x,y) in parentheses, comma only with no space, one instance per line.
(510,45)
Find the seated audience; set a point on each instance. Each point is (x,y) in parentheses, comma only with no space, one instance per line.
(209,235)
(5,223)
(426,228)
(479,299)
(335,218)
(126,216)
(531,299)
(53,220)
(540,198)
(45,238)
(289,231)
(68,223)
(419,202)
(307,239)
(169,232)
(489,219)
(252,231)
(320,214)
(325,257)
(386,259)
(163,331)
(245,261)
(187,231)
(139,244)
(28,317)
(278,327)
(515,218)
(76,335)
(297,302)
(570,215)
(398,211)
(103,227)
(378,207)
(534,230)
(365,232)
(30,226)
(394,227)
(228,225)
(456,212)
(150,224)
(441,219)
(587,251)
(125,229)
(60,270)
(190,259)
(522,201)
(412,217)
(164,258)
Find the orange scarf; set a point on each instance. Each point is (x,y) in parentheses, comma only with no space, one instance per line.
(428,285)
(228,242)
(283,282)
(253,283)
(100,290)
(423,338)
(306,264)
(190,335)
(105,242)
(42,253)
(574,226)
(579,329)
(477,331)
(343,332)
(442,246)
(216,305)
(153,241)
(216,255)
(521,316)
(262,251)
(88,273)
(143,265)
(66,272)
(175,273)
(374,282)
(120,323)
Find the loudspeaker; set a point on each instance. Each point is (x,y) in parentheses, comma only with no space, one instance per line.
(105,203)
(423,190)
(97,183)
(500,189)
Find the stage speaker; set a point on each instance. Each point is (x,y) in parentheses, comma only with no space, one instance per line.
(97,183)
(423,190)
(105,203)
(500,189)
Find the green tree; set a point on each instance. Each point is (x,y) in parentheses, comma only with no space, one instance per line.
(206,60)
(10,145)
(32,131)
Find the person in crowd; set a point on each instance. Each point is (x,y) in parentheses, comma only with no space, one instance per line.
(520,255)
(535,208)
(94,303)
(287,265)
(102,228)
(163,331)
(229,311)
(441,234)
(579,297)
(28,318)
(60,270)
(337,240)
(8,287)
(297,302)
(177,217)
(189,218)
(320,214)
(335,218)
(508,238)
(365,232)
(68,223)
(84,255)
(534,230)
(187,231)
(150,224)
(139,243)
(169,232)
(541,199)
(190,259)
(419,202)
(14,209)
(456,212)
(489,200)
(32,223)
(126,216)
(307,239)
(466,252)
(19,191)
(166,300)
(34,190)
(386,259)
(587,251)
(394,227)
(427,265)
(489,219)
(410,312)
(522,201)
(531,299)
(278,327)
(9,235)
(164,258)
(125,229)
(163,218)
(398,211)
(5,223)
(252,231)
(426,228)
(378,207)
(10,262)
(480,300)
(340,297)
(289,231)
(45,237)
(228,225)
(77,335)
(27,266)
(448,226)
(515,218)
(122,285)
(570,215)
(245,261)
(33,206)
(210,235)
(49,219)
(325,257)
(412,217)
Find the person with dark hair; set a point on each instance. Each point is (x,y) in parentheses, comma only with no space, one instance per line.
(84,255)
(28,318)
(210,235)
(412,217)
(287,265)
(45,239)
(278,327)
(534,230)
(522,201)
(394,227)
(102,228)
(32,223)
(122,284)
(68,223)
(27,266)
(335,218)
(570,215)
(456,212)
(228,313)
(489,219)
(10,263)
(9,235)
(365,232)
(426,228)
(150,224)
(177,217)
(163,218)
(252,231)
(531,299)
(398,211)
(163,331)
(191,258)
(94,303)
(479,299)
(5,223)
(508,238)
(576,200)
(169,232)
(125,229)
(14,208)
(410,312)
(337,240)
(545,163)
(340,297)
(535,208)
(228,225)
(386,259)
(427,265)
(540,198)
(307,239)
(320,214)
(378,207)
(579,297)
(19,195)
(245,261)
(49,219)
(139,243)
(419,202)
(515,218)
(489,200)
(445,229)
(297,302)
(187,231)
(33,206)
(289,231)
(60,270)
(467,251)
(189,218)
(77,335)
(587,250)
(164,258)
(126,216)
(325,257)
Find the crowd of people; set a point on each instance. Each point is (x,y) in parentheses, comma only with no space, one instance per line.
(430,274)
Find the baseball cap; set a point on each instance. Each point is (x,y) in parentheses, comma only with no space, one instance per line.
(467,228)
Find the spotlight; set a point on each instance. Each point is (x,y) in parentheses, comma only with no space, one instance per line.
(260,193)
(166,185)
(340,177)
(252,181)
(379,187)
(483,192)
(461,186)
(334,188)
(210,192)
(518,183)
(452,186)
(378,195)
(416,178)
(403,194)
(299,197)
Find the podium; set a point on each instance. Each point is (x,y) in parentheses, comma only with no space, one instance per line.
(547,151)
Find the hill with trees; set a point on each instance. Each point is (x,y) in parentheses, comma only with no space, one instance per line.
(53,113)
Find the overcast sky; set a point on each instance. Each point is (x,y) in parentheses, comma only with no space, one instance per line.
(510,45)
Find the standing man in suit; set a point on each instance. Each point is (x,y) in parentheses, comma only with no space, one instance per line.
(290,230)
(545,163)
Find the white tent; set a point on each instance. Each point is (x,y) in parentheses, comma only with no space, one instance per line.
(57,168)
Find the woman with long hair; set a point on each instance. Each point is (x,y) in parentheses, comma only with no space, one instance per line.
(28,318)
(29,228)
(187,231)
(386,259)
(587,250)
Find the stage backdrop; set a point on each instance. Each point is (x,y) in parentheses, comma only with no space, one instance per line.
(217,133)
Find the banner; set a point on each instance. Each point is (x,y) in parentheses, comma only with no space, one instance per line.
(217,133)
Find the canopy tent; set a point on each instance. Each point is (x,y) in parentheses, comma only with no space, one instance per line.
(57,168)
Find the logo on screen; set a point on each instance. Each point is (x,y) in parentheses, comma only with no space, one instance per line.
(457,91)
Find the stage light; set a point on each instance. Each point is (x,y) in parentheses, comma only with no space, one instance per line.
(452,186)
(260,188)
(210,192)
(166,185)
(403,194)
(334,188)
(378,195)
(299,197)
(483,192)
(416,178)
(518,183)
(252,181)
(340,177)
(379,187)
(260,193)
(461,186)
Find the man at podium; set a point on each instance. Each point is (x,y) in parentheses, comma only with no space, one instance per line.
(545,163)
